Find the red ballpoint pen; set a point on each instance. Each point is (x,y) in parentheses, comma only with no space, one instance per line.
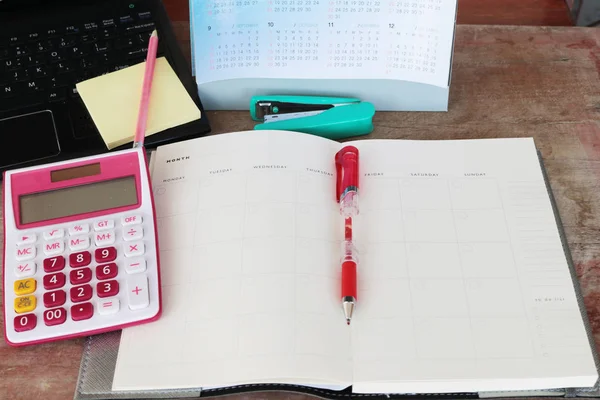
(346,161)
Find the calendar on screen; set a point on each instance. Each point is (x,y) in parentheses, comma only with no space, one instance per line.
(326,39)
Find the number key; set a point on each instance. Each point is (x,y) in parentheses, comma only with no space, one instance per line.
(80,259)
(80,276)
(54,264)
(107,289)
(25,322)
(106,254)
(55,298)
(107,271)
(55,316)
(54,281)
(81,293)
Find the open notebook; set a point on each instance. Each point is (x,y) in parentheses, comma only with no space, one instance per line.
(463,284)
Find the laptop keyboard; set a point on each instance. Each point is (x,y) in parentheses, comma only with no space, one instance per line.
(43,66)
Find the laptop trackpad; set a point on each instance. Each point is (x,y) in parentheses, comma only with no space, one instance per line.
(27,137)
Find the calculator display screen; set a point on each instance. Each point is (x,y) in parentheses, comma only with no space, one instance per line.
(77,200)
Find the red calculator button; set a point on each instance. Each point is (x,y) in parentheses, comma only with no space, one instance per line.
(25,322)
(81,293)
(80,259)
(54,281)
(80,276)
(107,289)
(55,316)
(82,311)
(107,271)
(54,299)
(54,264)
(106,254)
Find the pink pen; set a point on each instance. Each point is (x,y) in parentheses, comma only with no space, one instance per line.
(140,131)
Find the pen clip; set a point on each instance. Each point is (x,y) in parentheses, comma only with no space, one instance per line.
(338,176)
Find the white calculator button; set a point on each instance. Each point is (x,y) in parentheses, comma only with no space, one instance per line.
(26,238)
(137,292)
(79,229)
(54,247)
(133,249)
(135,265)
(104,238)
(25,269)
(133,233)
(54,234)
(108,306)
(104,224)
(25,253)
(77,243)
(131,220)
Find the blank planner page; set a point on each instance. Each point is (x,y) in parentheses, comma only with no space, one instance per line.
(463,282)
(249,246)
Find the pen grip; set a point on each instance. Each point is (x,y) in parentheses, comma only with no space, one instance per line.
(349,279)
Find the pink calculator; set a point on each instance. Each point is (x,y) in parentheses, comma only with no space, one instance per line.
(81,248)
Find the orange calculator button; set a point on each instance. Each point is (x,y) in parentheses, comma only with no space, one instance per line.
(24,304)
(24,286)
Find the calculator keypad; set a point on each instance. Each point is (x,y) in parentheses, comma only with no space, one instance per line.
(80,264)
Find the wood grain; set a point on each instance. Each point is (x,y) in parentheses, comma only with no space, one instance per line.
(507,81)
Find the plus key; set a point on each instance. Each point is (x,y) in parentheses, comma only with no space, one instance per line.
(137,292)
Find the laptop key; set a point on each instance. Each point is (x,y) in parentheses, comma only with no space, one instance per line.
(136,53)
(52,33)
(67,41)
(9,90)
(15,40)
(88,62)
(79,50)
(32,61)
(71,30)
(90,26)
(101,47)
(40,71)
(124,42)
(55,95)
(109,22)
(89,38)
(21,50)
(55,56)
(144,15)
(63,67)
(33,37)
(19,75)
(42,46)
(137,28)
(36,86)
(109,32)
(63,80)
(12,64)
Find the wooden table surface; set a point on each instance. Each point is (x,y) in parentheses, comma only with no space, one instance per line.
(507,81)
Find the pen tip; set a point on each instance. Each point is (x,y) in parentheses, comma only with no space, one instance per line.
(348,321)
(154,33)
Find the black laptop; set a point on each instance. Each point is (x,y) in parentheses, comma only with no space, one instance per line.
(47,46)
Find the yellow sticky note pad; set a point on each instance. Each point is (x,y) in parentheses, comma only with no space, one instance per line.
(113,101)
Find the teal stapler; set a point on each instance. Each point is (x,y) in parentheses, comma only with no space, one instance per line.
(330,117)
